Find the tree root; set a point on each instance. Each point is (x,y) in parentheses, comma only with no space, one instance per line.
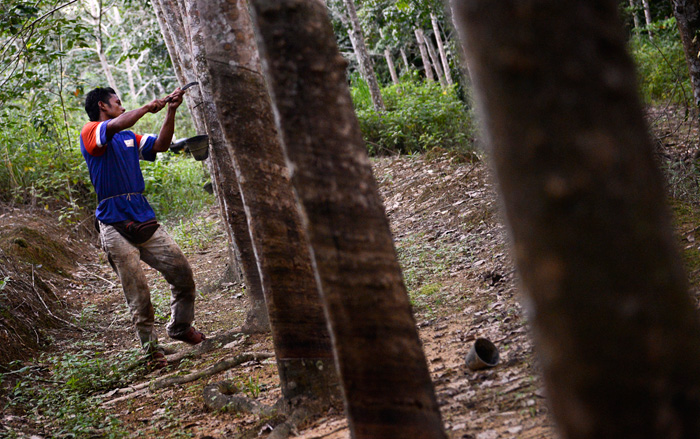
(222,396)
(212,370)
(207,345)
(285,429)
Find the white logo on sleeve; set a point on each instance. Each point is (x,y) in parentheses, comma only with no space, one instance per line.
(129,143)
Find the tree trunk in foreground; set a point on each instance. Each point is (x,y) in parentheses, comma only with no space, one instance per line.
(387,387)
(231,207)
(615,330)
(687,14)
(357,39)
(300,334)
(221,161)
(427,67)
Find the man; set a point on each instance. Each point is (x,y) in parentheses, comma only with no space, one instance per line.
(128,230)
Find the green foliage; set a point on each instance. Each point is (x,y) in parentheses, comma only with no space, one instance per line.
(174,186)
(195,234)
(419,117)
(661,65)
(62,393)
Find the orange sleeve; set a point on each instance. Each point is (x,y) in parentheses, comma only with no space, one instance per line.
(91,139)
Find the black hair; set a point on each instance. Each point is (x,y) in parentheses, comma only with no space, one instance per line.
(100,94)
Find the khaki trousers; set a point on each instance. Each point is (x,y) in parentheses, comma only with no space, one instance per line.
(162,253)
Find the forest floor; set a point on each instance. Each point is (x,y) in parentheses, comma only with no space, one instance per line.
(452,246)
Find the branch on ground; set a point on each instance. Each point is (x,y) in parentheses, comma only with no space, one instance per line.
(212,370)
(207,345)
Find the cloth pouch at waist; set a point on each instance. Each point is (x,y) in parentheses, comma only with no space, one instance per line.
(136,232)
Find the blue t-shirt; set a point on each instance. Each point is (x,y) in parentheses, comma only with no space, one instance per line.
(115,172)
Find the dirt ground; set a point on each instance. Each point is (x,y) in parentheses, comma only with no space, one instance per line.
(461,281)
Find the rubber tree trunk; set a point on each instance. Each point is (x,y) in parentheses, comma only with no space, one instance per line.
(427,65)
(390,62)
(357,39)
(635,19)
(647,18)
(441,50)
(300,334)
(257,320)
(434,59)
(616,332)
(687,14)
(220,164)
(387,387)
(404,58)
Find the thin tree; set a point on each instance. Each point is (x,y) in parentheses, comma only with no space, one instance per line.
(435,61)
(635,19)
(300,334)
(389,61)
(386,382)
(616,333)
(441,49)
(647,18)
(687,13)
(357,39)
(427,65)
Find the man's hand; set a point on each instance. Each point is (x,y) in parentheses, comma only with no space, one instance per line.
(175,98)
(155,106)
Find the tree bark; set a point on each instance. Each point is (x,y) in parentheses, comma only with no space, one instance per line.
(441,50)
(357,39)
(389,62)
(647,18)
(404,58)
(635,18)
(220,165)
(687,13)
(427,66)
(615,330)
(387,387)
(300,334)
(434,59)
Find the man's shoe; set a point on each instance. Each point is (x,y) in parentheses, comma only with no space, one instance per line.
(192,336)
(157,360)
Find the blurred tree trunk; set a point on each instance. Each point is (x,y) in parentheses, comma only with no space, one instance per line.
(615,330)
(300,334)
(427,66)
(687,14)
(387,387)
(441,50)
(357,39)
(220,164)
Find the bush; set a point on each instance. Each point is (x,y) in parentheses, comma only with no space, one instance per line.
(419,116)
(174,186)
(663,73)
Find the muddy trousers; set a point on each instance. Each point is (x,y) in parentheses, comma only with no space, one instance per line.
(163,254)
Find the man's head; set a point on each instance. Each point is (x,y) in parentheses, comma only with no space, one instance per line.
(103,100)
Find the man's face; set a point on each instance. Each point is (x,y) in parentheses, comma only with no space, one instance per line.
(113,108)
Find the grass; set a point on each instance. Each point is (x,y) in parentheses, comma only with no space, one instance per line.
(60,392)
